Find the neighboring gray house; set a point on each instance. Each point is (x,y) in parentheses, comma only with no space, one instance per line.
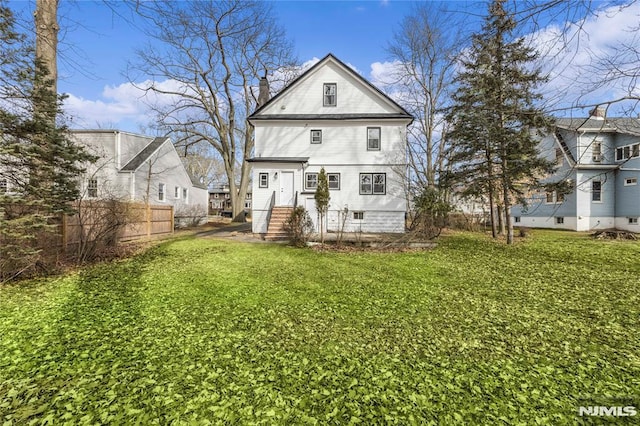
(600,158)
(140,168)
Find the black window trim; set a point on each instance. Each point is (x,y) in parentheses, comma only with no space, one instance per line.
(266,182)
(372,174)
(329,182)
(379,138)
(335,96)
(306,188)
(311,136)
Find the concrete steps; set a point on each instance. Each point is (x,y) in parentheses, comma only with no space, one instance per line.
(275,230)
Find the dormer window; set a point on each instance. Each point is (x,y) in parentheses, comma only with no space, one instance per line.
(596,152)
(330,94)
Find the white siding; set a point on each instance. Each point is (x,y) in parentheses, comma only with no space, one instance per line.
(342,142)
(307,97)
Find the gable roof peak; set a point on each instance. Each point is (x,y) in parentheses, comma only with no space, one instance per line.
(330,57)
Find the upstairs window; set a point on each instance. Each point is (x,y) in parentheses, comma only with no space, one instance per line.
(330,94)
(625,152)
(92,188)
(373,138)
(316,136)
(596,152)
(596,191)
(185,193)
(161,191)
(559,156)
(176,192)
(549,196)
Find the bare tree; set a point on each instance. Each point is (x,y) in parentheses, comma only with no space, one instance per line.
(203,67)
(203,163)
(424,50)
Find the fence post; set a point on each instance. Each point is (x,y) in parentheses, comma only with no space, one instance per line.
(173,220)
(148,215)
(64,233)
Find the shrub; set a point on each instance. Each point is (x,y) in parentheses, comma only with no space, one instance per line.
(189,216)
(299,226)
(431,212)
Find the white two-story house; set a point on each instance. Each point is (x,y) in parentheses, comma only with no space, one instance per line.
(331,117)
(599,158)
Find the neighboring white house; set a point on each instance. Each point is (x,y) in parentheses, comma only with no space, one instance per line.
(600,158)
(331,117)
(139,168)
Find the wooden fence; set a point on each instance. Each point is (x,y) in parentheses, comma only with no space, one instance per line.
(142,221)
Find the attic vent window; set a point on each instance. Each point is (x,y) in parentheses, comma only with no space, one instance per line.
(330,94)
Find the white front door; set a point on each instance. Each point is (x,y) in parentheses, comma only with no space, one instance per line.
(286,189)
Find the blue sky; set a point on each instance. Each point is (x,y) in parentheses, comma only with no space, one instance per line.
(96,43)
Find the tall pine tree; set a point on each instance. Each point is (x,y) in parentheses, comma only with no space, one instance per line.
(39,163)
(494,118)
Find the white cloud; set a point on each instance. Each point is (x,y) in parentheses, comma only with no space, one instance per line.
(126,106)
(571,61)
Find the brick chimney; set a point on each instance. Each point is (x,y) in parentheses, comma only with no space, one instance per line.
(263,92)
(598,113)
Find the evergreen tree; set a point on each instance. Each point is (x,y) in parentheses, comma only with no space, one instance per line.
(322,200)
(39,163)
(494,117)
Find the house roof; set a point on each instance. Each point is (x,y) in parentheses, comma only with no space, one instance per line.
(144,155)
(402,113)
(363,116)
(278,160)
(619,124)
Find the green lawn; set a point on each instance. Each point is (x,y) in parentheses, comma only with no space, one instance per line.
(199,331)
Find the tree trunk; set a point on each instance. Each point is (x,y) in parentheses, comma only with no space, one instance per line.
(500,219)
(492,212)
(507,216)
(46,22)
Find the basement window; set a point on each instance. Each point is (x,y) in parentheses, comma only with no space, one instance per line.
(559,220)
(358,215)
(633,220)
